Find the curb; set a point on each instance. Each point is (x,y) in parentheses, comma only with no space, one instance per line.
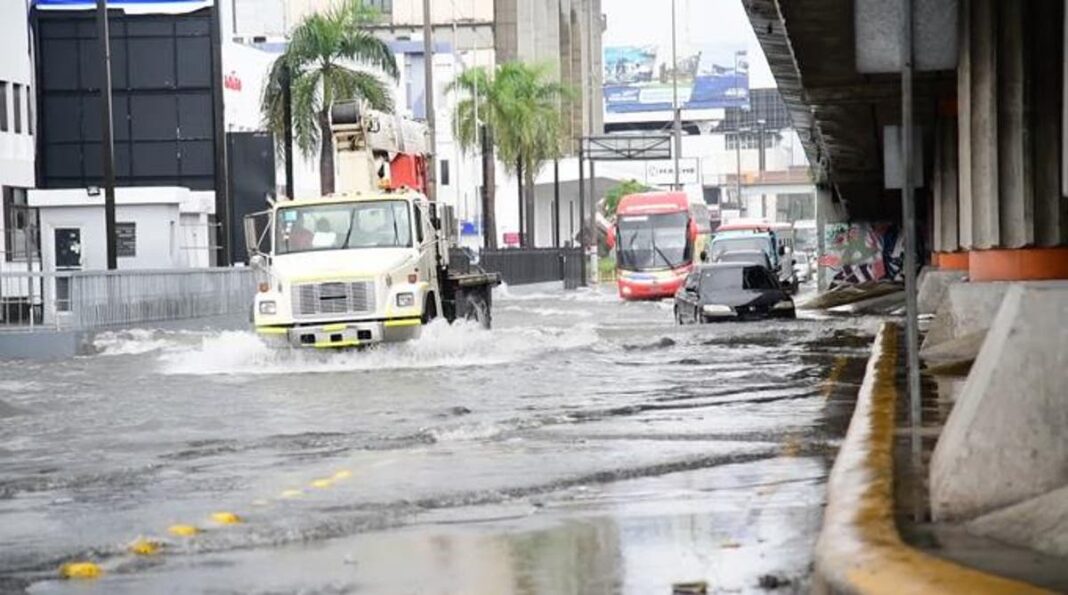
(859,549)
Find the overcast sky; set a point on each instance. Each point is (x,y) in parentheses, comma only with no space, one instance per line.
(699,22)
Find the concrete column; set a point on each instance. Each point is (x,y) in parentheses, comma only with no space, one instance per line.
(984,124)
(1015,196)
(1046,34)
(946,238)
(964,127)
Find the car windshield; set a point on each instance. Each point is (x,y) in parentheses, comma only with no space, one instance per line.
(735,278)
(649,242)
(343,226)
(746,256)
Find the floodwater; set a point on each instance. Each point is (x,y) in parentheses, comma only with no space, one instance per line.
(584,445)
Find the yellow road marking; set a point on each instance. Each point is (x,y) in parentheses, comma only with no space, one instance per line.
(80,570)
(225,518)
(322,483)
(183,530)
(144,547)
(292,494)
(343,474)
(834,375)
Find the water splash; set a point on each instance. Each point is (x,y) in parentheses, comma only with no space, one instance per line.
(441,345)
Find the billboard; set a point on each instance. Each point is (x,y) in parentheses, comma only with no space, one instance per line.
(639,78)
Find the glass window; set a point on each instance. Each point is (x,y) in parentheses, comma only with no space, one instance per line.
(444,172)
(16,102)
(343,226)
(3,106)
(651,242)
(418,224)
(29,111)
(20,226)
(758,278)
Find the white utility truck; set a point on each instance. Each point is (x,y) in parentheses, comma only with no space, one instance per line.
(368,264)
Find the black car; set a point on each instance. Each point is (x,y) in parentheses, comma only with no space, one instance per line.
(731,291)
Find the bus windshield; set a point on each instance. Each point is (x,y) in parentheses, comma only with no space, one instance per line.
(343,226)
(650,242)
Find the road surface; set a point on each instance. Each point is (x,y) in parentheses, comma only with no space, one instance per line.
(583,446)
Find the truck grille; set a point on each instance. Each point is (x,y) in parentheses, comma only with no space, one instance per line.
(317,299)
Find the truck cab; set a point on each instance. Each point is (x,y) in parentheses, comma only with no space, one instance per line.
(353,270)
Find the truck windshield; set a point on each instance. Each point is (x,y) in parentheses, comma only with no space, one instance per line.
(649,242)
(343,226)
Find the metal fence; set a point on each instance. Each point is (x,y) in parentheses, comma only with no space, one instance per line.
(535,265)
(101,299)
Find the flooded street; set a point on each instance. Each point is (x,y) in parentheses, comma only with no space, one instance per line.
(583,446)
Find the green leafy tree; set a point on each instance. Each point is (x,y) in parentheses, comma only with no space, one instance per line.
(319,63)
(613,196)
(519,106)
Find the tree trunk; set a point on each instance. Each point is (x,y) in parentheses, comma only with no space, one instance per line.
(326,154)
(519,197)
(528,192)
(489,192)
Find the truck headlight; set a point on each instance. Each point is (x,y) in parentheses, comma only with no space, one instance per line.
(405,300)
(717,310)
(268,307)
(783,305)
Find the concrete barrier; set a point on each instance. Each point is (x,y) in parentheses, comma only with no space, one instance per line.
(1038,524)
(859,549)
(45,344)
(966,308)
(933,284)
(1004,441)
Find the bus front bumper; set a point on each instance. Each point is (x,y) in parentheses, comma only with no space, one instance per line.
(649,286)
(335,335)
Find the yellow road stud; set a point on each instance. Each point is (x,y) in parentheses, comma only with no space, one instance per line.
(322,483)
(183,530)
(80,570)
(144,547)
(225,518)
(292,494)
(343,474)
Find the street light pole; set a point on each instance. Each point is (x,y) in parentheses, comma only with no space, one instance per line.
(428,100)
(908,212)
(677,112)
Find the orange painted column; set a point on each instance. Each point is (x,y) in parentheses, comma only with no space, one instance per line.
(951,261)
(1023,264)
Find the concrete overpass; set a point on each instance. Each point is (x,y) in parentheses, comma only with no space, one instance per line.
(993,217)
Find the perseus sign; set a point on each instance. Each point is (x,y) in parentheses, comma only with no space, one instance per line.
(662,173)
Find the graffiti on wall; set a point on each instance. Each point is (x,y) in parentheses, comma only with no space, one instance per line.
(857,252)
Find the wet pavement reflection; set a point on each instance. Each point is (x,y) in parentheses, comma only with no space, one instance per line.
(583,446)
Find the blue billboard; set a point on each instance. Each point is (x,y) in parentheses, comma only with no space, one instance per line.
(640,79)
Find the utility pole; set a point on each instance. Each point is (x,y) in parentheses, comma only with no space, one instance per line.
(760,169)
(428,100)
(287,116)
(107,145)
(223,206)
(908,215)
(738,164)
(677,126)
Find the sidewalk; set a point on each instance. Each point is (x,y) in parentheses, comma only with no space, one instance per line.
(861,548)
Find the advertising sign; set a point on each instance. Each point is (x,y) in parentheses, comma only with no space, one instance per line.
(640,78)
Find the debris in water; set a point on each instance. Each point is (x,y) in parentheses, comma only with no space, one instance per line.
(663,343)
(771,582)
(694,588)
(80,570)
(459,410)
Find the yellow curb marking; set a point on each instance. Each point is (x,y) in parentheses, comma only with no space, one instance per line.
(292,494)
(881,562)
(80,570)
(144,547)
(343,474)
(225,518)
(183,530)
(322,484)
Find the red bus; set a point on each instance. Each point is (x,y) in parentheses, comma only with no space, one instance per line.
(658,236)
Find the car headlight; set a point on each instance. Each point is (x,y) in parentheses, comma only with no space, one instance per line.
(717,310)
(783,305)
(268,307)
(405,300)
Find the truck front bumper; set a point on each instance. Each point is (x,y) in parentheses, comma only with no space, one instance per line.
(333,335)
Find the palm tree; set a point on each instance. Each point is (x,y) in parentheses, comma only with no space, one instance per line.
(317,61)
(520,109)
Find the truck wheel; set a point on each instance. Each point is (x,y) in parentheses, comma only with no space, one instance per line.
(475,309)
